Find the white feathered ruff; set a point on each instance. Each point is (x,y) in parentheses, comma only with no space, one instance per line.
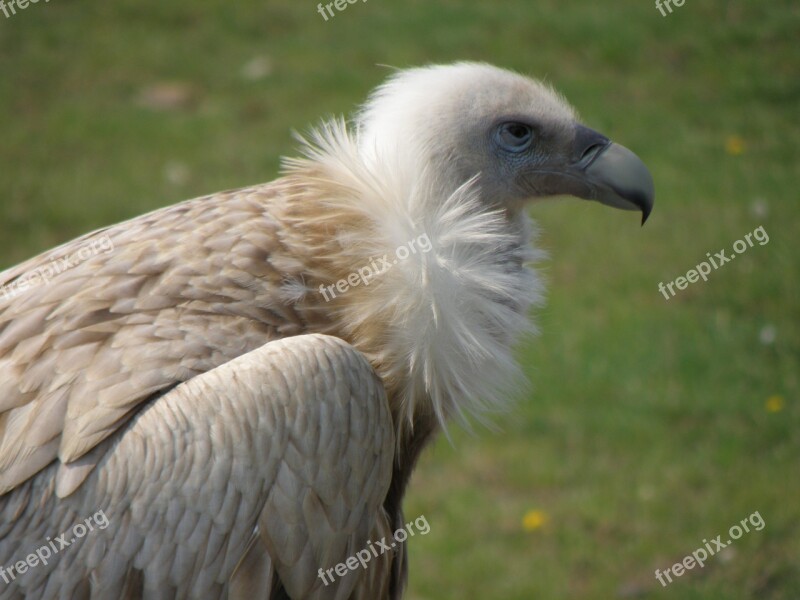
(440,326)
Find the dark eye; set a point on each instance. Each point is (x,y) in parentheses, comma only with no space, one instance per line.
(514,137)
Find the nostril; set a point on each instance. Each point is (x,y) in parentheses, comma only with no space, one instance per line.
(587,144)
(591,151)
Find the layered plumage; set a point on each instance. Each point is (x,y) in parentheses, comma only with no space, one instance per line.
(171,381)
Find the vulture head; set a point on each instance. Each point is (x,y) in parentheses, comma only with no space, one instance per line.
(515,136)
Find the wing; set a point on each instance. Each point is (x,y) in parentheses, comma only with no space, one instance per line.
(93,329)
(241,483)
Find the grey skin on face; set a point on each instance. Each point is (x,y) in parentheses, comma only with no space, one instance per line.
(598,169)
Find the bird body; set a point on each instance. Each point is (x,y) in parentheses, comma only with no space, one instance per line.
(241,419)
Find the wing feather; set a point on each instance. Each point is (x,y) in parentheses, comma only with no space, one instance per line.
(172,294)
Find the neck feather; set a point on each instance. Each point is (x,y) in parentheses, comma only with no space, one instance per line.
(438,287)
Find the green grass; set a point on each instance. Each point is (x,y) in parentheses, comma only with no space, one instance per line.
(645,430)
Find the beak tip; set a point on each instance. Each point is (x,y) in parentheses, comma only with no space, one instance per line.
(647,206)
(623,179)
(646,210)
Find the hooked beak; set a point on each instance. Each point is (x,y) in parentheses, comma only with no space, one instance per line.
(601,170)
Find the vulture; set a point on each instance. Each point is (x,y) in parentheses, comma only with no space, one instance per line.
(241,384)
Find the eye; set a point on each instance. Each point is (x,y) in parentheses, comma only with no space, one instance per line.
(514,137)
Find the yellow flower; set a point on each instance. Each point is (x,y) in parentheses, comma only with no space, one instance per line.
(774,404)
(533,520)
(734,145)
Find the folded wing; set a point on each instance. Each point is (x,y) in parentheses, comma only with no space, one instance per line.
(240,483)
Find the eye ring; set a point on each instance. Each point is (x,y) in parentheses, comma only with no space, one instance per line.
(514,136)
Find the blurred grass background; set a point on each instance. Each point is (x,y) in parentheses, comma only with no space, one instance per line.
(651,424)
